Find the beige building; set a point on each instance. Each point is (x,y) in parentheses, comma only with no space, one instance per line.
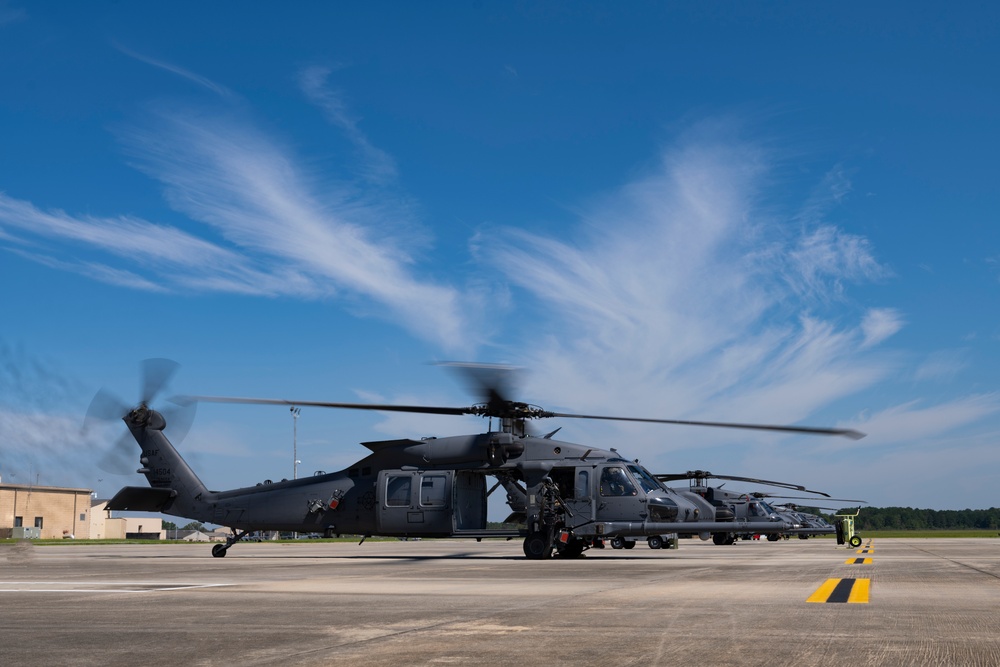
(69,513)
(103,526)
(56,511)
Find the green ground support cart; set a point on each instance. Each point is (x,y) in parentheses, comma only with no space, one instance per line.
(845,527)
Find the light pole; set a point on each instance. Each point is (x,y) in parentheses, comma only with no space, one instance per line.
(295,441)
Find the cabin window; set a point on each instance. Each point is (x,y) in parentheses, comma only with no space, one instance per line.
(432,490)
(615,482)
(583,484)
(397,491)
(563,478)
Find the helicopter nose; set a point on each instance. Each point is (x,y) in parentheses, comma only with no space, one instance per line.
(662,509)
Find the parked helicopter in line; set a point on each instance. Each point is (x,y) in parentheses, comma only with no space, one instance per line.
(566,495)
(754,509)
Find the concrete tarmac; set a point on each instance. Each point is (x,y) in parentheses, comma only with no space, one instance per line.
(930,602)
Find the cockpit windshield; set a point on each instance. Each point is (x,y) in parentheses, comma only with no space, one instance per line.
(646,481)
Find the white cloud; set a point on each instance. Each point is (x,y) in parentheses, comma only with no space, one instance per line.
(909,422)
(879,324)
(378,166)
(941,365)
(205,82)
(278,236)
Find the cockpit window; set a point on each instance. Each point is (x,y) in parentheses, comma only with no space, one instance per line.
(646,481)
(615,482)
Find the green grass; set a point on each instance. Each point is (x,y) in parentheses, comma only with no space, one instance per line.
(928,533)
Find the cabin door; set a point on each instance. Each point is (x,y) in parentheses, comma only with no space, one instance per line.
(415,502)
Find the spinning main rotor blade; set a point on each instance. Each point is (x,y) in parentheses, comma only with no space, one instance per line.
(424,409)
(493,383)
(811,430)
(514,410)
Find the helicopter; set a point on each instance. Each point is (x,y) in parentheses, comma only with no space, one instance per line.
(754,509)
(565,497)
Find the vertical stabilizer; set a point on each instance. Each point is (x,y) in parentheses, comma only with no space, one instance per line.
(164,468)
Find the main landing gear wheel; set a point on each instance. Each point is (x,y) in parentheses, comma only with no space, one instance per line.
(219,550)
(536,547)
(855,541)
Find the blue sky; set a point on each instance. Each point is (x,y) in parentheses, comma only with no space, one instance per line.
(778,213)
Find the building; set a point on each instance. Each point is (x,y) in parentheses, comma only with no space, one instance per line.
(104,526)
(57,512)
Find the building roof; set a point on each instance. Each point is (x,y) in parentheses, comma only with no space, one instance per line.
(35,488)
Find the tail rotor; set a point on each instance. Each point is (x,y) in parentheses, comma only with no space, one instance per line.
(107,408)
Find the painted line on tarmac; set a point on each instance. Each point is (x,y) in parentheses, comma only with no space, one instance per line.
(858,561)
(855,591)
(98,586)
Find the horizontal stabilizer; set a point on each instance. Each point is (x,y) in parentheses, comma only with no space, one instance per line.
(141,499)
(383,444)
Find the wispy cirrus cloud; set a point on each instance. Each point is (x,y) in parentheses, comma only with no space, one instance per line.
(202,81)
(914,422)
(690,300)
(273,228)
(377,165)
(10,15)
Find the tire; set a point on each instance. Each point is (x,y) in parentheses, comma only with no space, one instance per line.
(654,542)
(629,544)
(720,538)
(617,543)
(219,551)
(773,537)
(536,547)
(855,541)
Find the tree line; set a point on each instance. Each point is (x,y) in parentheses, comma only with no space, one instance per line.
(908,518)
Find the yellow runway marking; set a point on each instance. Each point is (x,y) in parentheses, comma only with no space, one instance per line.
(842,590)
(858,561)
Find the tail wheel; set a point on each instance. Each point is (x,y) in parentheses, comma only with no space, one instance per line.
(219,551)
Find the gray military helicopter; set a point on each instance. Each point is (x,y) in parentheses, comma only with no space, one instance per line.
(753,507)
(566,496)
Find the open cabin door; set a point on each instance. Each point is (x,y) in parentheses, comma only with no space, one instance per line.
(576,489)
(415,502)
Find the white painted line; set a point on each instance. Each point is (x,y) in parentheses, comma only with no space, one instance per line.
(99,586)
